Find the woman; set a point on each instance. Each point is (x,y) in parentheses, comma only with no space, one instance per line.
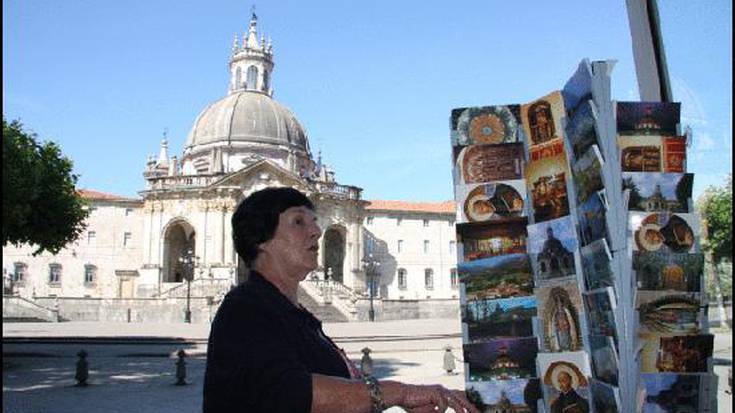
(266,353)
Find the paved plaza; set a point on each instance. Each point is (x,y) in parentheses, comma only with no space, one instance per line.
(132,366)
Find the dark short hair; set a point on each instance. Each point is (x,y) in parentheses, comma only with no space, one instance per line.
(256,218)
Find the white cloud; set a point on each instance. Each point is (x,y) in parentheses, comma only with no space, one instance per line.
(692,111)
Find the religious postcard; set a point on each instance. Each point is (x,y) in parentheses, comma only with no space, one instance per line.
(578,89)
(542,119)
(560,314)
(477,241)
(596,265)
(669,313)
(664,232)
(641,153)
(605,398)
(675,354)
(647,118)
(551,247)
(489,163)
(591,217)
(658,192)
(564,379)
(604,359)
(671,392)
(503,276)
(663,271)
(675,153)
(514,395)
(546,181)
(581,129)
(505,360)
(600,309)
(485,125)
(496,201)
(587,174)
(488,319)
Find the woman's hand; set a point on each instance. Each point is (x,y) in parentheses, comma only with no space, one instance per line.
(434,398)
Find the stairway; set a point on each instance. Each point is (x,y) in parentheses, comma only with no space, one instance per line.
(324,312)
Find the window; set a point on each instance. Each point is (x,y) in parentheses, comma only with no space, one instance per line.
(453,279)
(426,246)
(54,273)
(400,245)
(369,221)
(127,238)
(426,223)
(91,237)
(19,272)
(128,212)
(452,247)
(450,222)
(252,78)
(429,278)
(238,78)
(398,221)
(402,282)
(90,274)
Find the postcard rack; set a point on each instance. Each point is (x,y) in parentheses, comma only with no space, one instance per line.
(578,254)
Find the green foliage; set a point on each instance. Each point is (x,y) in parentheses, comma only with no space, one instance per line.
(715,206)
(41,206)
(635,195)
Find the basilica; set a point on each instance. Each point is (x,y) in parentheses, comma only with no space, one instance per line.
(139,257)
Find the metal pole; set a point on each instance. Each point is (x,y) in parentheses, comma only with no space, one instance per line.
(648,51)
(372,292)
(187,317)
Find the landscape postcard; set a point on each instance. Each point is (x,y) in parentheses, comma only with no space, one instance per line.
(485,125)
(486,240)
(495,201)
(489,163)
(592,219)
(662,271)
(600,309)
(552,245)
(578,88)
(502,276)
(582,128)
(488,319)
(675,354)
(604,358)
(664,232)
(605,398)
(669,313)
(505,360)
(672,392)
(596,265)
(658,192)
(647,118)
(587,173)
(541,118)
(560,314)
(517,395)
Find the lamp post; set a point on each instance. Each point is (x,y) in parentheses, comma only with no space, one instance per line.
(188,260)
(371,267)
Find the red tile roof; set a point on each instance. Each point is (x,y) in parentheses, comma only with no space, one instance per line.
(446,207)
(104,196)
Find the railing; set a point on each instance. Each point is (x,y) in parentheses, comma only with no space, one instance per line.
(15,306)
(342,191)
(200,287)
(181,181)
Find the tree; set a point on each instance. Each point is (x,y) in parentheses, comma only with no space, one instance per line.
(41,206)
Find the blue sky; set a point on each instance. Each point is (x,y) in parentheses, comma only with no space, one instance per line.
(372,82)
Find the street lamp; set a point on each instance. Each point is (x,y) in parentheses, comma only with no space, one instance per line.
(188,260)
(371,266)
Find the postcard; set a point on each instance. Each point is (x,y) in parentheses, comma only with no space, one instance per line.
(502,276)
(496,201)
(541,118)
(559,313)
(658,192)
(669,313)
(546,181)
(587,174)
(671,392)
(488,319)
(485,240)
(663,271)
(605,398)
(485,125)
(664,232)
(675,152)
(551,246)
(596,265)
(517,395)
(565,373)
(640,153)
(581,129)
(604,359)
(489,163)
(675,354)
(647,118)
(591,216)
(578,88)
(501,359)
(600,309)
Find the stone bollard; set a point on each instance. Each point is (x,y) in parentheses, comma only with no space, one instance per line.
(82,373)
(181,368)
(366,363)
(449,365)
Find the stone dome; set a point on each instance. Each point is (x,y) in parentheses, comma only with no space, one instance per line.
(247,116)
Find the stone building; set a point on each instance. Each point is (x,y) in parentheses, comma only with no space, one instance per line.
(133,248)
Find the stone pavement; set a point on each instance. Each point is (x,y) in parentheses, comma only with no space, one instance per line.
(132,365)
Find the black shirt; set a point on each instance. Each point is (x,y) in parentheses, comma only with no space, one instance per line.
(262,351)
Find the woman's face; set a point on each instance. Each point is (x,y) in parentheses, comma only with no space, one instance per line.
(296,240)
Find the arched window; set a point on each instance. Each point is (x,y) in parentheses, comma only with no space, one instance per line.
(402,281)
(238,78)
(266,80)
(252,78)
(429,279)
